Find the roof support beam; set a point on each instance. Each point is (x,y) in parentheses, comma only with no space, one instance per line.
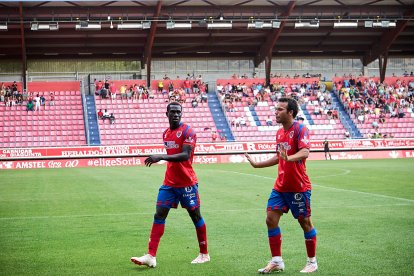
(23,46)
(387,39)
(383,59)
(146,58)
(267,47)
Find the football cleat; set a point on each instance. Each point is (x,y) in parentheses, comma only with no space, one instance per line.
(147,260)
(201,258)
(272,267)
(310,267)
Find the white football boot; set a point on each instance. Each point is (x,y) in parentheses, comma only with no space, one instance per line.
(201,258)
(147,260)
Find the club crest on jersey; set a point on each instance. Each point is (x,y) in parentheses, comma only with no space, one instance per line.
(179,133)
(291,134)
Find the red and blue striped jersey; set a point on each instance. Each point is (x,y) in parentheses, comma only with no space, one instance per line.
(180,174)
(292,176)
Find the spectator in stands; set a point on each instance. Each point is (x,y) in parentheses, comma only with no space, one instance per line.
(105,115)
(37,102)
(30,106)
(374,124)
(243,121)
(361,118)
(347,135)
(42,100)
(98,87)
(160,86)
(122,91)
(381,118)
(214,136)
(166,77)
(112,119)
(204,97)
(104,93)
(269,121)
(112,90)
(19,99)
(187,86)
(219,88)
(100,114)
(194,103)
(52,99)
(401,112)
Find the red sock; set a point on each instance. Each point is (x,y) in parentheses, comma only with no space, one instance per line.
(202,238)
(275,243)
(156,233)
(311,246)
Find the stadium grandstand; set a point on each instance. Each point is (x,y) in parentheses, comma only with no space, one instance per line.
(68,65)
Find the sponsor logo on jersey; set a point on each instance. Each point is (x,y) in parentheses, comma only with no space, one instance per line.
(179,133)
(291,134)
(188,189)
(170,145)
(285,145)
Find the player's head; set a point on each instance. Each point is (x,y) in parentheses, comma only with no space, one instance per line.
(173,113)
(286,110)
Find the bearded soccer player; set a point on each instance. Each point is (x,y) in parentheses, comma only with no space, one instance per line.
(292,189)
(180,186)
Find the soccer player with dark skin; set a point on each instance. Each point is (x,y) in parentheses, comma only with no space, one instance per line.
(292,189)
(180,186)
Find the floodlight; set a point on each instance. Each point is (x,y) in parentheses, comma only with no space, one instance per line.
(130,26)
(3,27)
(346,24)
(220,25)
(311,24)
(175,25)
(88,26)
(384,24)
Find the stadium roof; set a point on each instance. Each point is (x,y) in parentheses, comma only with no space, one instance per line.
(367,29)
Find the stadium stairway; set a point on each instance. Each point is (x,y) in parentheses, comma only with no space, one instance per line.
(345,118)
(255,117)
(307,115)
(92,127)
(218,116)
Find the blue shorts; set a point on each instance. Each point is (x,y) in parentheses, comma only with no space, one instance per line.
(169,197)
(298,203)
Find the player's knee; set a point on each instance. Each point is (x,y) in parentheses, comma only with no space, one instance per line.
(305,223)
(271,222)
(161,213)
(195,215)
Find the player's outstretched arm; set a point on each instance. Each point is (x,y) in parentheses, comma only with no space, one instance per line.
(301,154)
(268,163)
(184,155)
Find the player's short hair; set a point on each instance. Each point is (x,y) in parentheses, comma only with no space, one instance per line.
(173,103)
(292,104)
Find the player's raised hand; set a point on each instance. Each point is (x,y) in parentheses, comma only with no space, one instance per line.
(283,153)
(249,158)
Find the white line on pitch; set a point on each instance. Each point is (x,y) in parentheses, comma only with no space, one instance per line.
(327,187)
(204,211)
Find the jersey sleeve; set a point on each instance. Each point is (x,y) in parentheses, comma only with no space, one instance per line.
(190,137)
(303,138)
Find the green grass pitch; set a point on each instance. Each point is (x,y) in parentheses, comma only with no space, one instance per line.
(90,221)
